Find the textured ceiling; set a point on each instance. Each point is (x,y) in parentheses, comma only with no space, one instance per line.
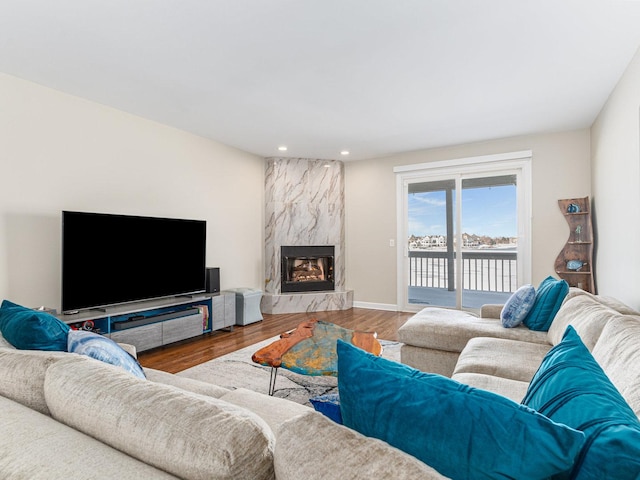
(374,77)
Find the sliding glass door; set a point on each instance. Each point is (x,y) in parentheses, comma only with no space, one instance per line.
(464,239)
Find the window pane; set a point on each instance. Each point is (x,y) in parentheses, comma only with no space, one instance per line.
(489,237)
(431,233)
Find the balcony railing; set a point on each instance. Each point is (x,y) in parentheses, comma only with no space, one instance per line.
(483,270)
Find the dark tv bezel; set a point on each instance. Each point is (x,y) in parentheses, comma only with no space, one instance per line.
(135,299)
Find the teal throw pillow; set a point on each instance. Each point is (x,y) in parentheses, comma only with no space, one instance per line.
(29,329)
(518,306)
(571,388)
(460,431)
(104,349)
(549,298)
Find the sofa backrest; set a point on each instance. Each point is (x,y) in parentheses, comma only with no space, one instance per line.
(186,434)
(22,375)
(312,447)
(618,353)
(586,313)
(611,302)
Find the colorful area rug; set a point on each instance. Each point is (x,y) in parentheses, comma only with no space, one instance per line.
(236,370)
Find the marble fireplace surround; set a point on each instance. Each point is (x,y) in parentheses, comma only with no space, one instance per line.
(304,206)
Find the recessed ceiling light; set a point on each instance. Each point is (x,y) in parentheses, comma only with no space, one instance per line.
(344,152)
(282,148)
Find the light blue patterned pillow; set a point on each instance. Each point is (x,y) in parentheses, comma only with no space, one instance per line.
(104,349)
(518,306)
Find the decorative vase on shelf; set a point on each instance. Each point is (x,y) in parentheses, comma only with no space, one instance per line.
(573,208)
(575,265)
(578,232)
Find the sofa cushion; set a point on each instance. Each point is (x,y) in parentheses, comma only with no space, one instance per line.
(460,431)
(36,447)
(618,353)
(450,330)
(512,389)
(30,329)
(586,315)
(104,349)
(189,435)
(502,358)
(571,388)
(22,375)
(518,306)
(549,297)
(273,410)
(189,384)
(429,359)
(312,447)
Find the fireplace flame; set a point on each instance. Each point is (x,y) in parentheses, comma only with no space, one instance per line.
(307,270)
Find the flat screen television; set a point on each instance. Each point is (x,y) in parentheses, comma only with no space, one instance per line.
(113,259)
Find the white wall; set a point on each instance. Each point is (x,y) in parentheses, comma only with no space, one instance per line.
(560,169)
(615,146)
(59,152)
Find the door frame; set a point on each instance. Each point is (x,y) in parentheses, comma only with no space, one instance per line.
(516,162)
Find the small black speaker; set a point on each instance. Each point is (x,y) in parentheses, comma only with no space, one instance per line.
(213,280)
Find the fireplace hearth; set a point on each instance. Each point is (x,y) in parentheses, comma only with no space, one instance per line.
(307,268)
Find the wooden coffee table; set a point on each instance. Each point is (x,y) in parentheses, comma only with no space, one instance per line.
(310,349)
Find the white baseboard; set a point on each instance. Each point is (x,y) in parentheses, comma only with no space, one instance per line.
(376,306)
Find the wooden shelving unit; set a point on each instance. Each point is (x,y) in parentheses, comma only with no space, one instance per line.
(574,262)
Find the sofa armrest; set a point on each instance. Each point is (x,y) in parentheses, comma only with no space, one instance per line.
(130,349)
(490,310)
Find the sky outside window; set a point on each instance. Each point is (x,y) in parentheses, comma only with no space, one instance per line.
(487,211)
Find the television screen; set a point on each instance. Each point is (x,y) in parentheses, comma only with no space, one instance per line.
(111,259)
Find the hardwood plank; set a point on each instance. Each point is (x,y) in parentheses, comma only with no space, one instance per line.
(188,353)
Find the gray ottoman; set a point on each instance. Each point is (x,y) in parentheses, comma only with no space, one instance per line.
(247,305)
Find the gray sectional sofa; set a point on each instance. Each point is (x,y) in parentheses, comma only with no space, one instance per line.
(66,416)
(480,352)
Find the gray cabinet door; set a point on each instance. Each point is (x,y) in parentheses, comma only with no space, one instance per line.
(144,338)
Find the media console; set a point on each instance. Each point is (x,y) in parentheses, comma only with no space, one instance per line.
(154,323)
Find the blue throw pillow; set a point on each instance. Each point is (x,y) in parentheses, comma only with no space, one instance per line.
(29,329)
(549,298)
(518,306)
(571,388)
(104,349)
(460,431)
(328,405)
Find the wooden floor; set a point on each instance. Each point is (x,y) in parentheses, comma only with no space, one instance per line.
(182,355)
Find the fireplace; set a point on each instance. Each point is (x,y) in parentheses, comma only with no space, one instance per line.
(307,268)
